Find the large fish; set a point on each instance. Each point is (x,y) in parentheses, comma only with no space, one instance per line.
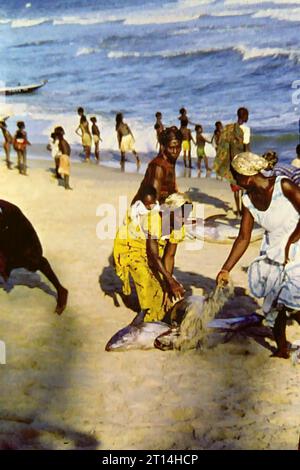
(141,336)
(219,229)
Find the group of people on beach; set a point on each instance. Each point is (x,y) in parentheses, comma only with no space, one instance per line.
(88,135)
(145,245)
(187,139)
(19,142)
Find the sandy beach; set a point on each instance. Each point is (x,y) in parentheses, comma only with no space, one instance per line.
(61,390)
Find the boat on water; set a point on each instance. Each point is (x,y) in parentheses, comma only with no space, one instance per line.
(22,88)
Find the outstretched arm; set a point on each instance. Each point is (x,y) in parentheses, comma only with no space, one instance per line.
(239,247)
(175,288)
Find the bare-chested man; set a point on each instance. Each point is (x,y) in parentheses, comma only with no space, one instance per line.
(161,170)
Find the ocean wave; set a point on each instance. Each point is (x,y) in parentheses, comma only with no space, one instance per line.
(241,12)
(164,54)
(249,53)
(182,32)
(86,51)
(286,14)
(241,3)
(92,19)
(160,17)
(2,21)
(28,23)
(34,43)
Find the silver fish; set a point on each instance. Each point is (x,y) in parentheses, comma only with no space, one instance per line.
(236,323)
(141,336)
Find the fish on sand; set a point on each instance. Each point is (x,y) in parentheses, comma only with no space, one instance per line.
(141,336)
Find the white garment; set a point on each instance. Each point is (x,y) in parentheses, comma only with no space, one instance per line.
(267,275)
(138,209)
(247,133)
(55,152)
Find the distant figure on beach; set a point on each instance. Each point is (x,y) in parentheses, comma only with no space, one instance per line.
(20,143)
(296,161)
(217,134)
(159,127)
(64,158)
(187,138)
(53,147)
(161,170)
(125,139)
(234,139)
(8,140)
(184,117)
(274,203)
(96,137)
(20,247)
(83,131)
(200,142)
(145,248)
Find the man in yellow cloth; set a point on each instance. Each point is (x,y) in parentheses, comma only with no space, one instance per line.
(145,248)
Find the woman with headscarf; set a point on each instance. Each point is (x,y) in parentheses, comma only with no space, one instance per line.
(145,248)
(274,203)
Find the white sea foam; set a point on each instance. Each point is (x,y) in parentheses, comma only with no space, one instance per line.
(180,32)
(165,54)
(86,51)
(249,53)
(241,3)
(161,17)
(28,23)
(85,20)
(289,14)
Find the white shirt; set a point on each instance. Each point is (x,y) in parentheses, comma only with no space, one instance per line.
(247,133)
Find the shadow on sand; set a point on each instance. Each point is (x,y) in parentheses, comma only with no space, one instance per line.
(203,198)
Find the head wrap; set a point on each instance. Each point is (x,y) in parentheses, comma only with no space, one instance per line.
(176,200)
(248,164)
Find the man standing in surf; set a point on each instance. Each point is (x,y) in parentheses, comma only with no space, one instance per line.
(161,170)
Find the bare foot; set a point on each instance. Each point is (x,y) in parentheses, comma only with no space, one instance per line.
(62,297)
(284,354)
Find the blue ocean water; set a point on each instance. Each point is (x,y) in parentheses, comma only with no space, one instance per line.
(138,57)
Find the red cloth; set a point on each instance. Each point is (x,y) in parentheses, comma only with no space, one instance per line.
(235,188)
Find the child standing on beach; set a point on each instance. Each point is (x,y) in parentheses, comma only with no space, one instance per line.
(96,137)
(53,147)
(84,132)
(159,127)
(186,142)
(125,139)
(217,134)
(200,142)
(64,159)
(20,143)
(8,140)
